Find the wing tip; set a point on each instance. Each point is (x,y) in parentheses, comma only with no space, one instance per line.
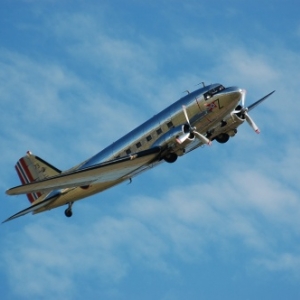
(272,92)
(11,218)
(5,221)
(8,192)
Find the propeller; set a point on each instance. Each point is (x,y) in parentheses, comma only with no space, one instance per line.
(242,111)
(191,131)
(251,122)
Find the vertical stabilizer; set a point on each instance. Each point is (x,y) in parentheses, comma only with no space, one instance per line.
(31,168)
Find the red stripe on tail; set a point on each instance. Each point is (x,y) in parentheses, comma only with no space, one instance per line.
(27,173)
(25,168)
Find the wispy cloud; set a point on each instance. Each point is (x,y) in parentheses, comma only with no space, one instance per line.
(185,224)
(182,224)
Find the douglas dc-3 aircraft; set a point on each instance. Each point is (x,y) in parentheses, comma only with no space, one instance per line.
(210,113)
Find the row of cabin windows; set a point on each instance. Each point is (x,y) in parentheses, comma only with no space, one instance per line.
(149,137)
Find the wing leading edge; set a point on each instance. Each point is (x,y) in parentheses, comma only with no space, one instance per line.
(100,173)
(31,208)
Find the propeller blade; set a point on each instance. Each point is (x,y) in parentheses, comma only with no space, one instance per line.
(185,136)
(251,123)
(243,97)
(182,138)
(186,115)
(250,107)
(202,138)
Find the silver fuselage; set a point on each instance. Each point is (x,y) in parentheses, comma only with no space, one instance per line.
(205,110)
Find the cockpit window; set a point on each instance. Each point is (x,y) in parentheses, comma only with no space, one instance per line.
(213,91)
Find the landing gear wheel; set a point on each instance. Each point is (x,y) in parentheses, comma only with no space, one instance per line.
(68,212)
(222,138)
(171,157)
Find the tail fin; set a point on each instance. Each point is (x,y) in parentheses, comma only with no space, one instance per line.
(32,168)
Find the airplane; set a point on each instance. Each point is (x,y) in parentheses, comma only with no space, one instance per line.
(212,112)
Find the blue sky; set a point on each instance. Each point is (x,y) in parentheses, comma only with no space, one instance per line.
(222,222)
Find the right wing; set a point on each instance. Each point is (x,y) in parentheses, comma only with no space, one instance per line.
(99,173)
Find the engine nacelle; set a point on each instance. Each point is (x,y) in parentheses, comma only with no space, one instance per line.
(172,137)
(227,128)
(236,119)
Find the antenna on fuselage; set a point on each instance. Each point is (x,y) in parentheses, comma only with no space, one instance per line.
(203,83)
(186,91)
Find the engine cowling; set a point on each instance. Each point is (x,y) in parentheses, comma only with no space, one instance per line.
(172,137)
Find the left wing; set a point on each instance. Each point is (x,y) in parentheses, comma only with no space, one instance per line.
(31,208)
(100,173)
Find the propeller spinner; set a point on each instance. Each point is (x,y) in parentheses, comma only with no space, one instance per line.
(190,131)
(242,111)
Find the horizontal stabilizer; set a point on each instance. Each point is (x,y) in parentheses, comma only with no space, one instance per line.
(100,173)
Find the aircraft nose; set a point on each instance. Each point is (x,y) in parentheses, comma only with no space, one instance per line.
(241,94)
(231,96)
(235,94)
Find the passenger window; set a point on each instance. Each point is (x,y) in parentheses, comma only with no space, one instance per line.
(149,138)
(170,124)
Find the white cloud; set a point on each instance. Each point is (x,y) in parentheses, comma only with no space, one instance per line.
(184,224)
(284,262)
(40,98)
(47,260)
